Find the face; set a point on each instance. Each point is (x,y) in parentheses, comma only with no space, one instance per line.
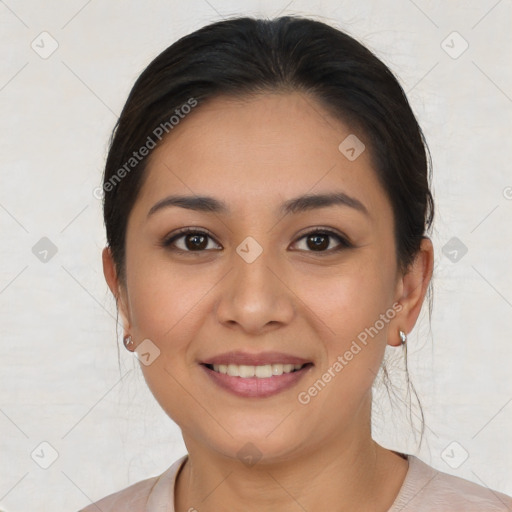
(256,285)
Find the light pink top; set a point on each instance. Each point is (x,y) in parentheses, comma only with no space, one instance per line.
(424,490)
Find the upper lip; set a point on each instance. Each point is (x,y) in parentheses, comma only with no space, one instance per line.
(262,358)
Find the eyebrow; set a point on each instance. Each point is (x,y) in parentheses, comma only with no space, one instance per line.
(295,205)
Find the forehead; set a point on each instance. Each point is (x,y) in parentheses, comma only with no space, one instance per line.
(260,150)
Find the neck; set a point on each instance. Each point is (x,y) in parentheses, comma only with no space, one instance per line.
(338,474)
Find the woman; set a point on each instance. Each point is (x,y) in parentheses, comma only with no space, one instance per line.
(266,203)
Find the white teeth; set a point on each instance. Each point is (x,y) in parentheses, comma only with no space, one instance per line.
(232,370)
(245,371)
(277,369)
(262,371)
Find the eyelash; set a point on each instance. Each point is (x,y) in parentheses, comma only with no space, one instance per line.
(168,241)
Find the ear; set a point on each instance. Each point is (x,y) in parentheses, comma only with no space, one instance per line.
(118,291)
(411,290)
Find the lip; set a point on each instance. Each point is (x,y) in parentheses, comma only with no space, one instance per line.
(246,358)
(254,386)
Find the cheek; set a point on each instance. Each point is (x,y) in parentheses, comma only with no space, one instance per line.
(353,346)
(348,298)
(164,297)
(352,308)
(165,307)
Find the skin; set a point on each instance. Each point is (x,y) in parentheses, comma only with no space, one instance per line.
(255,153)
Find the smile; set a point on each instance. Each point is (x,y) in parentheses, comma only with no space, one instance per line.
(261,372)
(258,381)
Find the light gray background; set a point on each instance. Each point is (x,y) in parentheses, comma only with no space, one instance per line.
(60,381)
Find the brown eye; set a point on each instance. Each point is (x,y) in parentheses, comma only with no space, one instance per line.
(191,240)
(320,240)
(195,242)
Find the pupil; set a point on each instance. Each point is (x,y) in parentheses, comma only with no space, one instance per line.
(318,244)
(194,239)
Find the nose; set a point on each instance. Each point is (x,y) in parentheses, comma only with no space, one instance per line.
(254,297)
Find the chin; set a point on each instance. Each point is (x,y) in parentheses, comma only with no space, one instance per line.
(252,444)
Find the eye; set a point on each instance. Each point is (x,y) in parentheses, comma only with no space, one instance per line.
(195,240)
(319,240)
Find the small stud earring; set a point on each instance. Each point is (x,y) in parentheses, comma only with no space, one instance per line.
(403,337)
(128,343)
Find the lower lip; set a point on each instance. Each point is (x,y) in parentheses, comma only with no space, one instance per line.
(254,386)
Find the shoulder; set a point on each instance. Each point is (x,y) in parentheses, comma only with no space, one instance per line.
(425,489)
(132,498)
(137,497)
